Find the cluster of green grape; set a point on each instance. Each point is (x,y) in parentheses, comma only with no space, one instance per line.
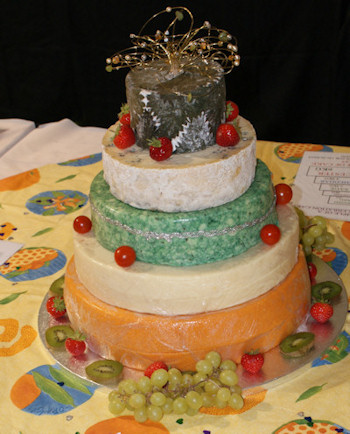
(313,232)
(214,383)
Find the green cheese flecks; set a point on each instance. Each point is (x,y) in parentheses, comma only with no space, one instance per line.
(253,204)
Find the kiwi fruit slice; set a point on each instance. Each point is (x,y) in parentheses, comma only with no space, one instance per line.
(57,286)
(297,345)
(325,291)
(56,335)
(104,370)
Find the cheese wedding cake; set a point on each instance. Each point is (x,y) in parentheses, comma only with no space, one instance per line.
(188,250)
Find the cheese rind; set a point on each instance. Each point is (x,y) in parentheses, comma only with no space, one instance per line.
(182,239)
(164,290)
(137,339)
(185,182)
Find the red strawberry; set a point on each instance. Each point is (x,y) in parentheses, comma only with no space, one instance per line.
(55,306)
(124,137)
(76,345)
(124,115)
(252,362)
(154,367)
(232,111)
(321,312)
(227,135)
(160,149)
(312,270)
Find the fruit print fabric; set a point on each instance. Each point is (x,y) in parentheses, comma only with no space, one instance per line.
(303,426)
(50,390)
(32,263)
(293,152)
(85,161)
(50,203)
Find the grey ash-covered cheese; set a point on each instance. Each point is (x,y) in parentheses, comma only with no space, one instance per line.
(186,106)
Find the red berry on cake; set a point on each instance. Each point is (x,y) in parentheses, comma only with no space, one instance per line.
(82,224)
(321,312)
(125,256)
(312,270)
(270,234)
(284,194)
(227,135)
(154,367)
(232,111)
(55,306)
(160,148)
(252,362)
(124,137)
(124,115)
(76,345)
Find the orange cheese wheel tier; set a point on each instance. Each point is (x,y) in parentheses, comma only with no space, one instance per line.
(137,339)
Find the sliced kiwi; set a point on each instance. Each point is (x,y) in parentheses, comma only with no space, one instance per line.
(57,286)
(103,370)
(297,345)
(56,335)
(325,291)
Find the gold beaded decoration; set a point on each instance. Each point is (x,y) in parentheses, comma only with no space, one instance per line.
(179,51)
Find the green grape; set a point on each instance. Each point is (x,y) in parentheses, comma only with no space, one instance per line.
(116,406)
(120,387)
(204,367)
(223,394)
(236,389)
(319,221)
(228,377)
(220,404)
(168,406)
(113,394)
(154,413)
(315,231)
(212,385)
(191,411)
(158,399)
(130,386)
(187,379)
(137,400)
(194,399)
(302,217)
(180,405)
(159,378)
(198,377)
(214,358)
(144,384)
(236,401)
(318,247)
(307,239)
(307,250)
(208,400)
(329,238)
(175,376)
(228,364)
(140,414)
(321,240)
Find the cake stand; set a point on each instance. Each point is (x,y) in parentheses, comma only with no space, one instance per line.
(276,369)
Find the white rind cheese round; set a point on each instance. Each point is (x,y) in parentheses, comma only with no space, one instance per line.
(185,182)
(165,290)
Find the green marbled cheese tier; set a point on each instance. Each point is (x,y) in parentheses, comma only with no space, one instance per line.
(186,106)
(184,238)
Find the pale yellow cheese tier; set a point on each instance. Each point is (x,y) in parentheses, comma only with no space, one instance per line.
(137,339)
(166,290)
(185,182)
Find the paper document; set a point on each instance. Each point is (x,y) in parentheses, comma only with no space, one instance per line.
(322,185)
(7,249)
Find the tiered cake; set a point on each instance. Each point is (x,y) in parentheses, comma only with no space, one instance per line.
(203,280)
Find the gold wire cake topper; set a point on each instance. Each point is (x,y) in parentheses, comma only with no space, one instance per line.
(179,51)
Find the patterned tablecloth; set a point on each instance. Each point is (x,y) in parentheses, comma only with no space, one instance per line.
(37,208)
